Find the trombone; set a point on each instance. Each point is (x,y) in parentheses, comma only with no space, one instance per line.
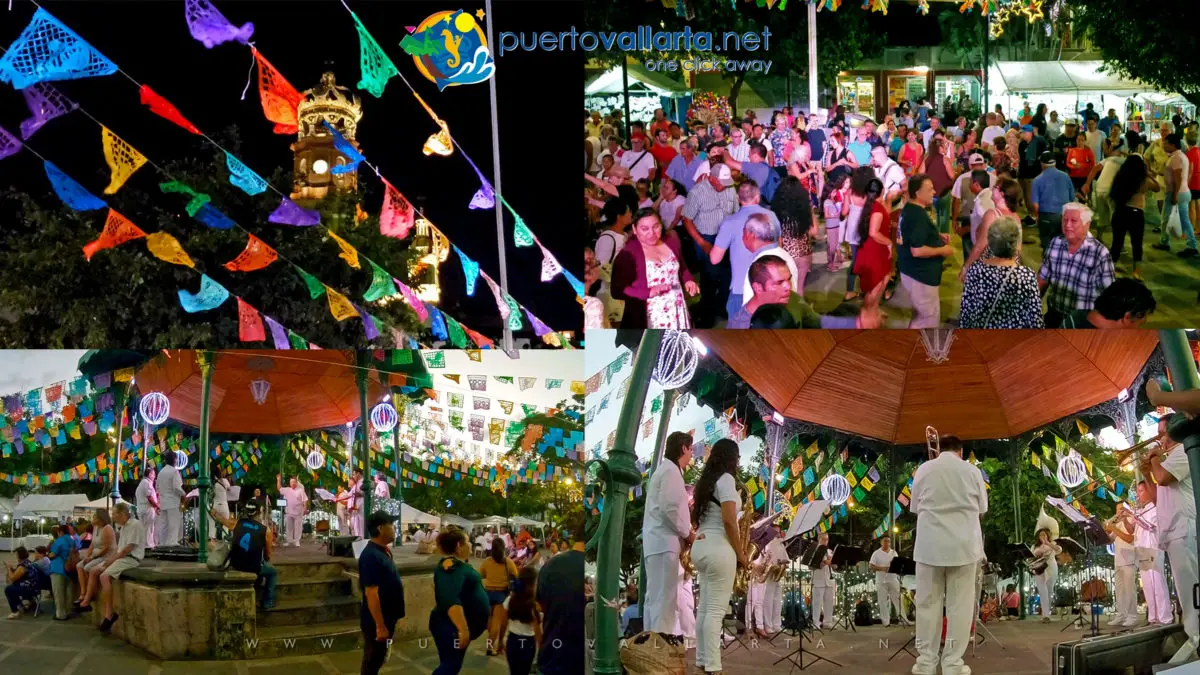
(1137,451)
(933,442)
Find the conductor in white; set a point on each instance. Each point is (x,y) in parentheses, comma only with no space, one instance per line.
(170,494)
(887,585)
(666,529)
(948,496)
(823,586)
(297,505)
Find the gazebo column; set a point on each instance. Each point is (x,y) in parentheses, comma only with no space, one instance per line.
(1018,467)
(396,402)
(1182,366)
(775,434)
(207,362)
(620,474)
(121,401)
(361,377)
(660,446)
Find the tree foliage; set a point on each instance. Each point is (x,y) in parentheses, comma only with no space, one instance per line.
(124,297)
(1156,47)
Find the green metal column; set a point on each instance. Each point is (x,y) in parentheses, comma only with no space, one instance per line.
(361,377)
(396,401)
(660,446)
(1018,465)
(621,474)
(207,363)
(1182,365)
(121,401)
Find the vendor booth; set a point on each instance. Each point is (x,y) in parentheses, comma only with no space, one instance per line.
(604,91)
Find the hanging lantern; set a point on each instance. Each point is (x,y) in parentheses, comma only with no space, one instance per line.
(835,488)
(1071,471)
(181,460)
(315,460)
(259,389)
(384,417)
(677,359)
(154,408)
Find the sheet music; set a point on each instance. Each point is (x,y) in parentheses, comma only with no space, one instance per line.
(1069,511)
(325,494)
(807,517)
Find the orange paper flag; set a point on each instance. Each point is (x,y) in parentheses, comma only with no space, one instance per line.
(250,325)
(279,98)
(257,256)
(167,248)
(117,231)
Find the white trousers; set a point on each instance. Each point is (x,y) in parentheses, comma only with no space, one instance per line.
(951,588)
(148,519)
(170,526)
(1182,554)
(295,527)
(754,607)
(773,606)
(888,594)
(1045,585)
(1158,598)
(356,523)
(660,613)
(1125,592)
(822,605)
(223,511)
(716,566)
(687,610)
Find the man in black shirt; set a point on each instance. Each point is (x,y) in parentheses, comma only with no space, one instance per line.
(1066,140)
(250,548)
(561,598)
(383,593)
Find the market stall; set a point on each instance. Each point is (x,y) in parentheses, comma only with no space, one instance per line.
(604,91)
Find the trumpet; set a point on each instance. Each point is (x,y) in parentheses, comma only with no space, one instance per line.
(1121,456)
(932,441)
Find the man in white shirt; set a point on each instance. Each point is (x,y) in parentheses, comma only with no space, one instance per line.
(1095,140)
(934,125)
(890,174)
(773,590)
(964,193)
(824,587)
(1103,174)
(169,486)
(1150,558)
(1125,610)
(887,585)
(638,160)
(1177,194)
(760,236)
(1177,529)
(147,503)
(297,503)
(738,148)
(131,548)
(381,487)
(666,529)
(948,496)
(992,131)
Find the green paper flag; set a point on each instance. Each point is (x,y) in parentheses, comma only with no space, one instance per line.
(521,234)
(457,337)
(656,404)
(435,359)
(381,284)
(401,357)
(376,67)
(514,313)
(315,288)
(297,341)
(198,199)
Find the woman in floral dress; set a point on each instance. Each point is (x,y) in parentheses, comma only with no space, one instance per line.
(649,274)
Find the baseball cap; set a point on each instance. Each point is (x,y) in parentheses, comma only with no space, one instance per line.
(250,509)
(721,173)
(637,136)
(701,170)
(976,158)
(377,520)
(1026,127)
(1047,158)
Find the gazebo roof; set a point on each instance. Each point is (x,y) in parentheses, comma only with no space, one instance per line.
(880,384)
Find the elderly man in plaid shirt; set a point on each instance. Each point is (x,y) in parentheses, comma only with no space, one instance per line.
(1075,268)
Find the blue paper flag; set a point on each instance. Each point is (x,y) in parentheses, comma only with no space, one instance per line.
(345,147)
(47,50)
(210,296)
(214,218)
(243,177)
(71,193)
(438,324)
(575,283)
(470,270)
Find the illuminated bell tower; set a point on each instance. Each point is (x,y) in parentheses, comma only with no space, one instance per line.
(314,154)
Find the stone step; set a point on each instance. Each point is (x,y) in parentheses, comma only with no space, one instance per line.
(317,638)
(308,611)
(312,589)
(309,570)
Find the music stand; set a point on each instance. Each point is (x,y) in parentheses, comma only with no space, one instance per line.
(1093,534)
(847,556)
(804,552)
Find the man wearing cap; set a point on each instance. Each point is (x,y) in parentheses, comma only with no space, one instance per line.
(730,238)
(1030,150)
(638,160)
(382,591)
(1050,191)
(708,203)
(250,547)
(962,204)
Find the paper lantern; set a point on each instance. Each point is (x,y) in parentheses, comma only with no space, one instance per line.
(315,460)
(181,460)
(155,407)
(835,488)
(259,389)
(677,359)
(1071,471)
(384,418)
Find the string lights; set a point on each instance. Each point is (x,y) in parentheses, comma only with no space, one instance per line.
(677,359)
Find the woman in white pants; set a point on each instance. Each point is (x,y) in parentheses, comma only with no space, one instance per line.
(220,500)
(1045,581)
(717,551)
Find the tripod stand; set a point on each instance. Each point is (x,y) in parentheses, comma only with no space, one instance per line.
(846,618)
(977,622)
(800,549)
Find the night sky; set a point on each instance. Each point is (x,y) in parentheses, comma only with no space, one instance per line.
(149,39)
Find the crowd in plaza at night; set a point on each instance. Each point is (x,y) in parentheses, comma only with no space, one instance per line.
(717,224)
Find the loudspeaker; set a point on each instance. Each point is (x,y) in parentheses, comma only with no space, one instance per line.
(1138,650)
(340,547)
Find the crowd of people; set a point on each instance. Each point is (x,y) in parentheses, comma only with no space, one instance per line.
(718,223)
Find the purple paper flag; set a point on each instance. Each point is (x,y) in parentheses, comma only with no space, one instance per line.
(103,380)
(278,333)
(45,103)
(539,328)
(105,401)
(211,27)
(369,326)
(12,404)
(291,213)
(9,145)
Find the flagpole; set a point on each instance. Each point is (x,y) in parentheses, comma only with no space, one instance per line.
(508,340)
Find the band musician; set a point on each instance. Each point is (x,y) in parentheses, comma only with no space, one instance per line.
(1120,529)
(887,585)
(1149,557)
(824,587)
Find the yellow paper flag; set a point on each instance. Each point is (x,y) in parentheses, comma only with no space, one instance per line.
(339,306)
(123,375)
(475,354)
(349,253)
(122,159)
(1081,426)
(167,249)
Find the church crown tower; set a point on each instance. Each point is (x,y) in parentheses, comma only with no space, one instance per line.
(314,154)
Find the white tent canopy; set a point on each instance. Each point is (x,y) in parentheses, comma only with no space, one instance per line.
(1011,77)
(7,505)
(492,521)
(101,503)
(522,521)
(48,505)
(409,516)
(451,519)
(610,82)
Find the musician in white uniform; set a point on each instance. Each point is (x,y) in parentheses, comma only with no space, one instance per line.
(887,585)
(824,587)
(949,497)
(169,486)
(1177,529)
(754,601)
(666,529)
(773,588)
(1150,558)
(1046,531)
(1125,612)
(147,505)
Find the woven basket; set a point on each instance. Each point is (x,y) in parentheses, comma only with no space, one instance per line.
(653,654)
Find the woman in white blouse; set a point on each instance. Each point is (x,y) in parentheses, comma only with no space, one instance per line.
(220,500)
(717,552)
(1046,549)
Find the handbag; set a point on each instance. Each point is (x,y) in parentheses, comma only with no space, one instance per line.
(218,557)
(992,309)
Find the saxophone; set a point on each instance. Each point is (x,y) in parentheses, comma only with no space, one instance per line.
(741,582)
